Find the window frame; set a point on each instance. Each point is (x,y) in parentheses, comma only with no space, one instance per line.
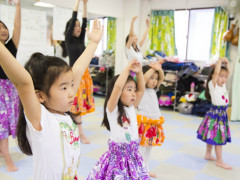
(188,30)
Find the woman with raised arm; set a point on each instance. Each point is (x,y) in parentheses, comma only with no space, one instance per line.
(74,39)
(9,100)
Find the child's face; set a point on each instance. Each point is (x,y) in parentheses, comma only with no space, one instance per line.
(153,80)
(61,94)
(77,29)
(128,95)
(222,78)
(3,33)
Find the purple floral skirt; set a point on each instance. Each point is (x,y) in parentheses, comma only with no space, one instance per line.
(122,161)
(9,109)
(214,128)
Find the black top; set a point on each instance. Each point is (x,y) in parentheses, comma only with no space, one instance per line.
(75,45)
(13,50)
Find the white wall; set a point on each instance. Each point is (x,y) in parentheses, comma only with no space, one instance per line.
(101,7)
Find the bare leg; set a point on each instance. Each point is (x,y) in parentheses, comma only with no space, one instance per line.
(220,163)
(208,155)
(6,155)
(83,138)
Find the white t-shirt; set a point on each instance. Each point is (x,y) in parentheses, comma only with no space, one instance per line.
(149,106)
(117,133)
(219,95)
(131,53)
(56,148)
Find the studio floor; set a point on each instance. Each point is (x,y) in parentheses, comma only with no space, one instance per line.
(179,158)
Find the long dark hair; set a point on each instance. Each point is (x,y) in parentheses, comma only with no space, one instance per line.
(120,105)
(135,48)
(64,49)
(44,70)
(6,28)
(207,94)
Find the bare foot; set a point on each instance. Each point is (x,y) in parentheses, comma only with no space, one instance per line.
(224,166)
(211,158)
(9,163)
(153,175)
(84,140)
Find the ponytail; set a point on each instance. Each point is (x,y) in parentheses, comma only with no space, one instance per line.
(21,133)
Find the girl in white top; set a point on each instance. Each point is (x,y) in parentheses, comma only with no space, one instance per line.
(214,129)
(47,88)
(133,49)
(122,160)
(149,116)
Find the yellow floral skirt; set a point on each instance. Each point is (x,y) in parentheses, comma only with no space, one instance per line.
(150,131)
(84,100)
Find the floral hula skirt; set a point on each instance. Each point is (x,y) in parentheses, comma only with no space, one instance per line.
(214,128)
(84,100)
(150,131)
(9,109)
(122,162)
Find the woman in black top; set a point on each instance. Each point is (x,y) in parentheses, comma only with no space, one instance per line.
(9,100)
(74,40)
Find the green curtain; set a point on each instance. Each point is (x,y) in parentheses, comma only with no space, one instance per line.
(161,35)
(220,24)
(111,34)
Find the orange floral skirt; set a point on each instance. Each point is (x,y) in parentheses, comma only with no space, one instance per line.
(84,100)
(150,131)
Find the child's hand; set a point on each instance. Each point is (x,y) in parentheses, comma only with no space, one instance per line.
(135,66)
(134,18)
(224,60)
(85,1)
(156,65)
(96,34)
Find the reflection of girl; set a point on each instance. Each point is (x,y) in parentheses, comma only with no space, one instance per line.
(149,116)
(9,100)
(133,49)
(74,40)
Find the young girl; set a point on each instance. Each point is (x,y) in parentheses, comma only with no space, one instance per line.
(132,46)
(74,41)
(149,116)
(9,100)
(214,129)
(122,160)
(47,90)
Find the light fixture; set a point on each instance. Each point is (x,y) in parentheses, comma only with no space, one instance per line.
(43,4)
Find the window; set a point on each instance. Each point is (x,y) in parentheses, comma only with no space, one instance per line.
(193,31)
(103,43)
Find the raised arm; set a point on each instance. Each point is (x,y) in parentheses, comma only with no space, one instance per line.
(85,8)
(131,33)
(217,70)
(83,61)
(145,34)
(69,31)
(140,84)
(118,87)
(17,24)
(23,82)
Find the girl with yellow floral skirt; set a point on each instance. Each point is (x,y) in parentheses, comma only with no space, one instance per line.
(149,116)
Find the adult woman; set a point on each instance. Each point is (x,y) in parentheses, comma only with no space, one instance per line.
(74,40)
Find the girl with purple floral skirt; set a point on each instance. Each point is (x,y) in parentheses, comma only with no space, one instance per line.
(9,100)
(122,160)
(214,129)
